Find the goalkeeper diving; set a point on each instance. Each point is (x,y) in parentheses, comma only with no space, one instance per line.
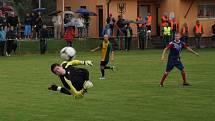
(75,80)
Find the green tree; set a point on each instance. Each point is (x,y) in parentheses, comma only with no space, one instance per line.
(21,6)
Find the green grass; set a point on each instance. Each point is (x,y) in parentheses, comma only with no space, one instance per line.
(33,47)
(130,94)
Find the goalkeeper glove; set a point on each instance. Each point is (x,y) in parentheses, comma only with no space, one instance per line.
(87,62)
(53,87)
(84,90)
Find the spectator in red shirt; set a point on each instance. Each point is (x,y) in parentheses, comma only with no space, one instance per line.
(69,35)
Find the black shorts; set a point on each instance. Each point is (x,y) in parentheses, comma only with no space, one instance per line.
(149,27)
(103,63)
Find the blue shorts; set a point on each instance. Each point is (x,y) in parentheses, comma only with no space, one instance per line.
(174,63)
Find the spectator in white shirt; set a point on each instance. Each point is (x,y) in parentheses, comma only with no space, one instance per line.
(57,21)
(80,26)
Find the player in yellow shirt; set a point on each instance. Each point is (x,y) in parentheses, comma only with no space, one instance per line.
(106,52)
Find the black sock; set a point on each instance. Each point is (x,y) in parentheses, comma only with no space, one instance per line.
(107,67)
(103,72)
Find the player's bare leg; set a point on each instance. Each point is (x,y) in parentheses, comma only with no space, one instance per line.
(183,74)
(163,78)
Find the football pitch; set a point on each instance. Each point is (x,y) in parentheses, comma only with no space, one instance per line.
(132,93)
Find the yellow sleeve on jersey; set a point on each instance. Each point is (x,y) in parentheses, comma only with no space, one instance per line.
(73,91)
(72,63)
(63,63)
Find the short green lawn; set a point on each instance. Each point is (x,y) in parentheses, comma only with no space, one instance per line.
(130,94)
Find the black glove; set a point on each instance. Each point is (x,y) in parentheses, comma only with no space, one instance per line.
(85,90)
(53,87)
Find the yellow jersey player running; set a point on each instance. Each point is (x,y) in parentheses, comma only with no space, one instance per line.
(106,53)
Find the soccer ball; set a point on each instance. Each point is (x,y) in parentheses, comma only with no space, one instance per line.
(88,84)
(67,53)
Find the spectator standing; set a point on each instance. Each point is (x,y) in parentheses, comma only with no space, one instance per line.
(138,24)
(166,34)
(174,26)
(184,33)
(38,25)
(69,35)
(3,21)
(27,28)
(120,26)
(2,41)
(164,19)
(33,24)
(80,26)
(138,29)
(128,37)
(20,31)
(111,21)
(198,31)
(43,39)
(149,25)
(107,30)
(10,37)
(142,36)
(66,19)
(113,33)
(57,21)
(13,20)
(109,18)
(86,24)
(213,31)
